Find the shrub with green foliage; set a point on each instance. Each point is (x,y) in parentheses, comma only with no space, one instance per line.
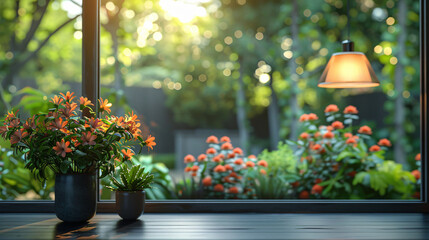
(336,163)
(280,161)
(17,182)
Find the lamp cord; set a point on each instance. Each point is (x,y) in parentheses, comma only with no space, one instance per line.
(348,19)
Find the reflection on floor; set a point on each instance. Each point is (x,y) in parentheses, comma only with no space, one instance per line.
(220,226)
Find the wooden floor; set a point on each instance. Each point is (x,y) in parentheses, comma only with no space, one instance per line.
(220,226)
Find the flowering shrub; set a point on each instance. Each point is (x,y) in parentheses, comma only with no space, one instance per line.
(416,173)
(339,160)
(223,171)
(63,141)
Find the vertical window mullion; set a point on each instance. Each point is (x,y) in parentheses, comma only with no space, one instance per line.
(91,56)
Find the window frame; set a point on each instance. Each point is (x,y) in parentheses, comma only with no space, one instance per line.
(91,89)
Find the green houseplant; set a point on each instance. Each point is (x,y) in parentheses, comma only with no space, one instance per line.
(129,187)
(74,147)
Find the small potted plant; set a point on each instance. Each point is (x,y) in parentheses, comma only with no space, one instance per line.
(73,147)
(129,188)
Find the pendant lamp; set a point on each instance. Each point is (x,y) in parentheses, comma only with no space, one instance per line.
(348,69)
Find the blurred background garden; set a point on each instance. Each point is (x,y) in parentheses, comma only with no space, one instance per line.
(247,69)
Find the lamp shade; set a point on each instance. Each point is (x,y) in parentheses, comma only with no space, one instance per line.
(348,70)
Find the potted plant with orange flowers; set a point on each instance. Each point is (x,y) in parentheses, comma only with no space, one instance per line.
(74,147)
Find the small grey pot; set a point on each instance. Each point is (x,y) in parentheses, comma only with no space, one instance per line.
(130,205)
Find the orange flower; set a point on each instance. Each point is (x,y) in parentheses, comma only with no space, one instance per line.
(316,189)
(218,188)
(219,168)
(331,108)
(252,156)
(350,110)
(318,180)
(233,190)
(238,151)
(231,155)
(59,124)
(351,141)
(337,125)
(56,100)
(262,171)
(374,148)
(418,157)
(18,136)
(304,195)
(30,123)
(217,159)
(316,147)
(384,142)
(328,135)
(416,174)
(127,153)
(68,111)
(304,135)
(14,123)
(207,181)
(189,158)
(312,117)
(104,105)
(238,161)
(226,146)
(202,157)
(88,139)
(85,102)
(348,135)
(303,118)
(62,148)
(225,139)
(94,123)
(365,130)
(150,142)
(228,167)
(194,174)
(295,184)
(68,97)
(188,169)
(195,168)
(212,139)
(263,163)
(250,164)
(317,134)
(211,151)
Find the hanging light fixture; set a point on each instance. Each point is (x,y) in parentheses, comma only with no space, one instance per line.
(348,69)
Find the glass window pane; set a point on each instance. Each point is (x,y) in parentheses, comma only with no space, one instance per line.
(40,56)
(249,70)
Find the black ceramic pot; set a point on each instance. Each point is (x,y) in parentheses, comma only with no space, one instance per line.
(75,197)
(130,205)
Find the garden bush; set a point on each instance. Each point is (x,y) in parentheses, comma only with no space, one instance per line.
(340,161)
(223,172)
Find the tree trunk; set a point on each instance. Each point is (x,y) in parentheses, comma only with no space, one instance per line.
(241,112)
(399,113)
(273,119)
(293,101)
(112,27)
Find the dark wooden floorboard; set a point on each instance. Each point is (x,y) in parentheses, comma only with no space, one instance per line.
(220,226)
